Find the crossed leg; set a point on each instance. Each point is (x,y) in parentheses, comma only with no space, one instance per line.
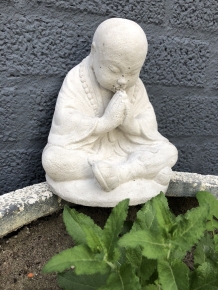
(64,165)
(155,164)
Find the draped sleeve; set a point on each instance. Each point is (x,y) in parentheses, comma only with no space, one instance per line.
(74,118)
(145,116)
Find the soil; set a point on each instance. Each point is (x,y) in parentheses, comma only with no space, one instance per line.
(24,252)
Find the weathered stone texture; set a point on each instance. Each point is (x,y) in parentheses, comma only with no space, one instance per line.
(194,14)
(41,46)
(8,115)
(215,79)
(197,155)
(208,158)
(188,184)
(27,110)
(187,156)
(142,11)
(19,168)
(187,115)
(176,61)
(22,206)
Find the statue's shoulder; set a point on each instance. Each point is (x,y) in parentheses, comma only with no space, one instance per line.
(140,84)
(73,72)
(142,95)
(77,71)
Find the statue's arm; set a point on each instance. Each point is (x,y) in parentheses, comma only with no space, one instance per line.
(143,125)
(68,121)
(131,124)
(67,118)
(113,115)
(140,117)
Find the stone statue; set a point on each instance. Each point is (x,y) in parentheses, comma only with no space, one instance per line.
(104,145)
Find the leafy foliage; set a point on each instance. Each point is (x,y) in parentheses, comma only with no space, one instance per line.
(170,275)
(69,280)
(210,200)
(205,277)
(123,279)
(147,256)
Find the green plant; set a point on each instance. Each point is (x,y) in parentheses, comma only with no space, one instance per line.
(149,256)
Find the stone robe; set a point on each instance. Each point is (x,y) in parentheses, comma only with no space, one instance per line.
(80,102)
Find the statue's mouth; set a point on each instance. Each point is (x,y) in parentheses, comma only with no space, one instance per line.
(118,88)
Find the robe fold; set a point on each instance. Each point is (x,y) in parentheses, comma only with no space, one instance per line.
(80,104)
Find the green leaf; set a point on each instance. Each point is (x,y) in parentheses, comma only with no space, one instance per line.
(204,277)
(134,256)
(123,279)
(205,197)
(173,277)
(155,215)
(209,199)
(152,229)
(147,268)
(81,257)
(82,229)
(216,242)
(212,225)
(151,287)
(144,267)
(154,246)
(164,216)
(72,223)
(126,227)
(114,226)
(146,219)
(189,229)
(159,244)
(94,238)
(70,281)
(205,250)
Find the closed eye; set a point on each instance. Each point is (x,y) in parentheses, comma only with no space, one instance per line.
(114,69)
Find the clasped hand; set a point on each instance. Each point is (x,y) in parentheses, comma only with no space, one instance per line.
(119,109)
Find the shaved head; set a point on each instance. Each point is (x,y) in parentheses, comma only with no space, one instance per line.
(120,38)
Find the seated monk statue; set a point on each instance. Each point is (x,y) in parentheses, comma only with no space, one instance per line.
(104,127)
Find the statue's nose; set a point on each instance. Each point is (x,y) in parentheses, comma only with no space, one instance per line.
(122,81)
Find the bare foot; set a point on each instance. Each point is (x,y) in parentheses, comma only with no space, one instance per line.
(106,175)
(164,176)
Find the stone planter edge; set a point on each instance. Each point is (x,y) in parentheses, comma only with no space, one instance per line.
(20,207)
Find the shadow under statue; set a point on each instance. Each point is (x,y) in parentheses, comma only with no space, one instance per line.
(104,145)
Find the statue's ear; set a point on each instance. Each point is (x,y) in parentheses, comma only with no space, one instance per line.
(93,50)
(93,47)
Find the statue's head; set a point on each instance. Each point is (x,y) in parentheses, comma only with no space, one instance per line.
(118,52)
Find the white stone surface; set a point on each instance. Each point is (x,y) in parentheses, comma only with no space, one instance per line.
(104,143)
(89,192)
(188,184)
(16,211)
(22,206)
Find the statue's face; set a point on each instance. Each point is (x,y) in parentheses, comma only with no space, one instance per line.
(114,72)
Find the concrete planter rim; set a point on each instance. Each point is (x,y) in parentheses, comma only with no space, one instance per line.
(20,207)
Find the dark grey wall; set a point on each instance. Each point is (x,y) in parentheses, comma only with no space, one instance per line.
(41,40)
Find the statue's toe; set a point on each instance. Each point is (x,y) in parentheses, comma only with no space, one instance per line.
(106,175)
(164,176)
